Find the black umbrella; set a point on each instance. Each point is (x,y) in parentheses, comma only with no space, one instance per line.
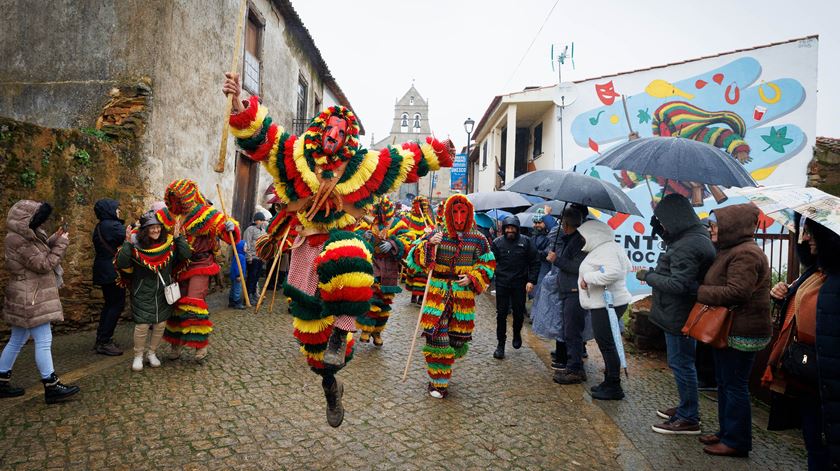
(574,187)
(679,159)
(487,200)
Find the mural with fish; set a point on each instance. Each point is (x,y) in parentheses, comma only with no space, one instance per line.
(757,105)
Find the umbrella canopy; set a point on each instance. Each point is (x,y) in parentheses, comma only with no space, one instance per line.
(574,187)
(527,219)
(484,200)
(679,159)
(485,221)
(498,214)
(534,199)
(779,201)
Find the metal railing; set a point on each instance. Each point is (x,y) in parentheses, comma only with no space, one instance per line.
(781,253)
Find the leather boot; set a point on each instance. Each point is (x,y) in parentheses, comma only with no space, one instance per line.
(336,349)
(6,389)
(335,410)
(500,351)
(55,391)
(610,391)
(517,340)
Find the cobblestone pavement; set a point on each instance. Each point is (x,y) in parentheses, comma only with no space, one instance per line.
(254,405)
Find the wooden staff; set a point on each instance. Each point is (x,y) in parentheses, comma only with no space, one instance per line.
(420,316)
(237,52)
(271,271)
(235,253)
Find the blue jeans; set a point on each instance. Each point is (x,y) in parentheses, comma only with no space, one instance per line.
(255,267)
(43,342)
(732,371)
(235,296)
(681,351)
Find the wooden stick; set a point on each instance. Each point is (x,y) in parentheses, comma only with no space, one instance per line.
(237,52)
(273,293)
(273,264)
(235,253)
(420,316)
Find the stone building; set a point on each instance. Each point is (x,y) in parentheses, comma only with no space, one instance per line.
(411,122)
(824,169)
(146,77)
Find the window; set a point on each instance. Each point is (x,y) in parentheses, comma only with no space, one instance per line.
(252,63)
(416,122)
(484,154)
(411,101)
(538,140)
(302,117)
(404,123)
(317,108)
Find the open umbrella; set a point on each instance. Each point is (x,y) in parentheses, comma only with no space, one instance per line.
(677,158)
(526,219)
(485,200)
(779,201)
(498,214)
(574,187)
(485,221)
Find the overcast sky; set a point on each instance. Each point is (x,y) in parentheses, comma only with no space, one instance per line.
(462,53)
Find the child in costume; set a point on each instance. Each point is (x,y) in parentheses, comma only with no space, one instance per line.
(202,225)
(462,266)
(419,221)
(327,180)
(387,237)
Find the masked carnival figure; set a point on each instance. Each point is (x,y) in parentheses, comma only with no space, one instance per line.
(203,225)
(388,241)
(327,181)
(420,221)
(462,265)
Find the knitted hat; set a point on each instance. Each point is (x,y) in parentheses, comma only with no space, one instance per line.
(538,216)
(259,216)
(149,219)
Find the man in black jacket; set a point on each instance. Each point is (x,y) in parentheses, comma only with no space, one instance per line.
(108,236)
(679,271)
(517,267)
(567,256)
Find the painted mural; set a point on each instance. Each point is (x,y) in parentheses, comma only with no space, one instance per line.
(733,104)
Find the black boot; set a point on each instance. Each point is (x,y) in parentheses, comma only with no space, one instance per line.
(55,391)
(336,349)
(517,340)
(6,389)
(609,391)
(500,351)
(560,358)
(335,410)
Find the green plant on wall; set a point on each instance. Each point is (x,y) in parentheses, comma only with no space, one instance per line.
(97,134)
(82,157)
(28,178)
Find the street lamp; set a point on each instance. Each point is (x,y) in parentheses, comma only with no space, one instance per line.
(468,126)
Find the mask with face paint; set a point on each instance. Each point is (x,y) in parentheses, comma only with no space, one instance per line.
(334,135)
(458,213)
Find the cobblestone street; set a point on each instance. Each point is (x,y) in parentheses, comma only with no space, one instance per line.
(254,405)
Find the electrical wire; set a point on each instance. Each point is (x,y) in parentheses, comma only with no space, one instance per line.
(516,69)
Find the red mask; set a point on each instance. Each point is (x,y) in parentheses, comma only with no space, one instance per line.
(460,216)
(334,135)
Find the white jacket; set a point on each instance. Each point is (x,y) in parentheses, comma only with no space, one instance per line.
(602,251)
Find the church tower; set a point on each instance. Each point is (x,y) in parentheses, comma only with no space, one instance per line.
(411,123)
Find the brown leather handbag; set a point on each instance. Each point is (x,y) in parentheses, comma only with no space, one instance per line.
(709,324)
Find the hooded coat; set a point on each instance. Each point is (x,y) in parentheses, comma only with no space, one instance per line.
(740,275)
(31,261)
(517,261)
(108,236)
(680,269)
(605,267)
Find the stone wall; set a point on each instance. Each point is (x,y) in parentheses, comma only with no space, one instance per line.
(824,169)
(71,169)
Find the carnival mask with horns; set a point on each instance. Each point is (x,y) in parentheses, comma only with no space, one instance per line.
(458,212)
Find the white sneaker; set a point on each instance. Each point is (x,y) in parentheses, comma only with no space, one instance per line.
(154,362)
(137,365)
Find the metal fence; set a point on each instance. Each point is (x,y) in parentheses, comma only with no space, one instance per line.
(781,253)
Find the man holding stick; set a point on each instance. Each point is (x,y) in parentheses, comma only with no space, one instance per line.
(461,265)
(327,180)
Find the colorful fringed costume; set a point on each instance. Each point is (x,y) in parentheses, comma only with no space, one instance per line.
(449,315)
(419,221)
(379,228)
(190,324)
(331,275)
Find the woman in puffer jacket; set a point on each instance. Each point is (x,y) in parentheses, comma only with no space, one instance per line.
(605,268)
(33,262)
(145,262)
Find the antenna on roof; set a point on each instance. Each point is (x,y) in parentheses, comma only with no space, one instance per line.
(566,93)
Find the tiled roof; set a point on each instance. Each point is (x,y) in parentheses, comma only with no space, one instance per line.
(829,143)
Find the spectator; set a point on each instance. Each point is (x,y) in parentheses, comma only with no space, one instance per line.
(738,279)
(235,299)
(517,267)
(33,263)
(604,269)
(679,271)
(809,318)
(146,261)
(108,235)
(541,242)
(254,263)
(569,353)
